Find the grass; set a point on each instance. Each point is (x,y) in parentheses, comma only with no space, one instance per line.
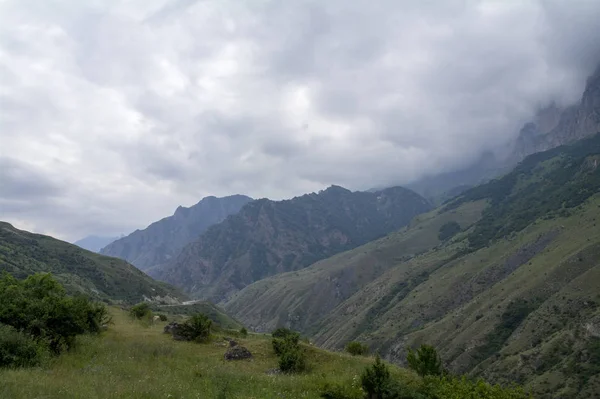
(133,361)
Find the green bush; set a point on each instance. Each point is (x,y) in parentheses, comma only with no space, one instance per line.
(356,348)
(376,380)
(243,332)
(292,359)
(341,391)
(141,311)
(448,230)
(462,388)
(280,345)
(282,332)
(425,361)
(162,317)
(196,328)
(284,338)
(18,349)
(38,307)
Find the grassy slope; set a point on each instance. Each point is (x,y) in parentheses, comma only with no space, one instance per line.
(80,271)
(213,312)
(131,361)
(318,289)
(521,304)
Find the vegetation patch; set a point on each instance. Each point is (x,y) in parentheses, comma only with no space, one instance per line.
(511,319)
(565,183)
(37,316)
(448,230)
(356,348)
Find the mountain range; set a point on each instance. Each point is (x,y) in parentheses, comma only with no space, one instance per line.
(162,240)
(95,243)
(269,237)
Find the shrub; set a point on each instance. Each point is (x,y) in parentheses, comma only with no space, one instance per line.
(281,344)
(292,359)
(425,361)
(162,317)
(282,332)
(243,332)
(356,348)
(140,311)
(284,338)
(339,391)
(38,307)
(196,328)
(375,380)
(18,349)
(448,230)
(459,388)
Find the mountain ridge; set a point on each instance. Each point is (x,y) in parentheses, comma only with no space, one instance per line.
(163,239)
(268,237)
(95,243)
(80,271)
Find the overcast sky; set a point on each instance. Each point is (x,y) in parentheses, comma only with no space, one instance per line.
(113,113)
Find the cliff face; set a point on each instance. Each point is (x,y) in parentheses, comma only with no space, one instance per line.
(555,127)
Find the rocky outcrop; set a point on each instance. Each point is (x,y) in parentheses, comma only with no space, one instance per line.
(554,127)
(237,353)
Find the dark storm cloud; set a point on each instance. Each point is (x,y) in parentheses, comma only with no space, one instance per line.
(114,113)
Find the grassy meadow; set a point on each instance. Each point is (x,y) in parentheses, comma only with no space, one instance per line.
(136,360)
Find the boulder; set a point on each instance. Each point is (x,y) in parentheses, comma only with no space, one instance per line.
(238,353)
(177,331)
(171,327)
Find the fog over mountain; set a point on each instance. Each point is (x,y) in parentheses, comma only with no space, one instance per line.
(114,113)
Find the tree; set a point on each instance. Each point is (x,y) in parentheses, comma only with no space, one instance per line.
(376,379)
(356,348)
(425,361)
(196,328)
(140,311)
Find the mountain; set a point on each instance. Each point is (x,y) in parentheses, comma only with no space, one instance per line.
(503,280)
(162,240)
(550,127)
(95,243)
(554,127)
(80,271)
(269,237)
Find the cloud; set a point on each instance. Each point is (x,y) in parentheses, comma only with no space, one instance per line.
(114,113)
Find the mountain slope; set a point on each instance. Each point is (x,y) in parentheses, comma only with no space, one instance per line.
(552,126)
(269,237)
(513,296)
(162,240)
(80,271)
(95,243)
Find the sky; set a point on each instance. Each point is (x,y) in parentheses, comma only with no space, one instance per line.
(113,113)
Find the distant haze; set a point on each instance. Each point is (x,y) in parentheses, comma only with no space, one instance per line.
(112,114)
(94,243)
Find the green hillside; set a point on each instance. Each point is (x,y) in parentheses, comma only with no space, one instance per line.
(513,296)
(213,312)
(133,361)
(80,271)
